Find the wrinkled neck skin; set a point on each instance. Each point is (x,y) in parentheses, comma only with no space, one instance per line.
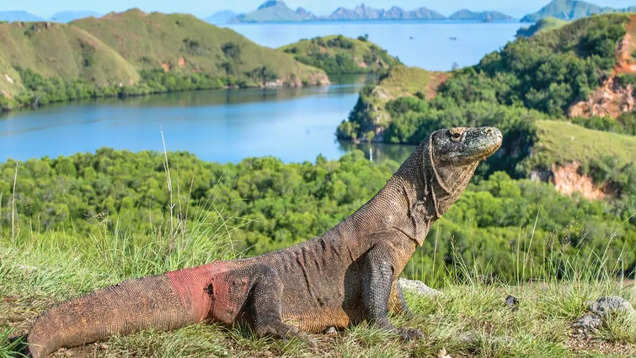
(418,194)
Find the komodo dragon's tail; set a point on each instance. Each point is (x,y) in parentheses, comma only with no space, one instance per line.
(162,302)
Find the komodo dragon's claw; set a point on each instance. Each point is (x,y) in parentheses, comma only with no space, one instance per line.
(410,334)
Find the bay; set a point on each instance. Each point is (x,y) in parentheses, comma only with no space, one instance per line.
(432,45)
(294,125)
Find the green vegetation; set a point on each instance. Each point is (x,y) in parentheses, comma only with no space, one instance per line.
(88,59)
(271,205)
(561,142)
(91,220)
(528,80)
(341,55)
(545,24)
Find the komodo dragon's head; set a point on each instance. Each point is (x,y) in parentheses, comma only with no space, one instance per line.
(450,158)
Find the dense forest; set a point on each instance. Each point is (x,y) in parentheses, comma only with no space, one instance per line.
(505,229)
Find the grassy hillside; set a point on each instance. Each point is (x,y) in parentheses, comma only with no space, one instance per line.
(563,142)
(545,24)
(341,55)
(52,49)
(135,53)
(186,44)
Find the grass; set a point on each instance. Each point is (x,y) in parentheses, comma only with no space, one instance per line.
(69,52)
(468,320)
(562,142)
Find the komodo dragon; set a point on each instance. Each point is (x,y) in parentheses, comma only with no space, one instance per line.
(340,278)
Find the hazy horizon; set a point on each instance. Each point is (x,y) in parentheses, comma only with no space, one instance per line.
(46,9)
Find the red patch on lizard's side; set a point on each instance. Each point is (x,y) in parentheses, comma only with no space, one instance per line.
(191,285)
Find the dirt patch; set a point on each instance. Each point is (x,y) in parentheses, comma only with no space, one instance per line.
(613,99)
(610,100)
(181,62)
(590,345)
(567,180)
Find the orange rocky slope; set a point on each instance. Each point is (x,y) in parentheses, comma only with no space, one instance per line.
(613,98)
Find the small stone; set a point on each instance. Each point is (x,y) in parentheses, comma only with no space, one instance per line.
(599,310)
(417,287)
(588,322)
(606,305)
(331,331)
(443,354)
(512,302)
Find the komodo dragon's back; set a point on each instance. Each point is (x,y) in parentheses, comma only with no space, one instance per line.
(346,275)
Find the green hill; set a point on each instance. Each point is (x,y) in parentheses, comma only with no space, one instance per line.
(133,53)
(545,24)
(187,44)
(570,10)
(527,81)
(53,49)
(341,55)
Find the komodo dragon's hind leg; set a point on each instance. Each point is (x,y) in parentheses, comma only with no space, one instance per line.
(265,304)
(377,282)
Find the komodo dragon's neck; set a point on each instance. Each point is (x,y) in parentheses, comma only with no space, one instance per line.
(404,205)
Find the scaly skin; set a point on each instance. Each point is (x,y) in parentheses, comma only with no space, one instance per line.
(347,275)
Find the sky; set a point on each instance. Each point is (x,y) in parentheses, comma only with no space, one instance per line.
(204,8)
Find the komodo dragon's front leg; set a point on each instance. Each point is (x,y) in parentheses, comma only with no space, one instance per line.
(256,290)
(377,282)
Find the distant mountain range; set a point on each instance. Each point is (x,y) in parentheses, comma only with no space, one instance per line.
(278,11)
(63,16)
(571,10)
(221,17)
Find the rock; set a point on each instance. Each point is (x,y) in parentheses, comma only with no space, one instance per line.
(331,331)
(588,323)
(512,302)
(606,305)
(417,287)
(599,310)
